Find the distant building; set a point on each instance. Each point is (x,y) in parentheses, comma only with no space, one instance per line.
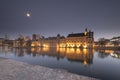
(1,41)
(34,37)
(8,42)
(108,43)
(115,39)
(16,43)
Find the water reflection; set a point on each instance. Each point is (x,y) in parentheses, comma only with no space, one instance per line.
(84,56)
(89,62)
(106,53)
(71,54)
(115,54)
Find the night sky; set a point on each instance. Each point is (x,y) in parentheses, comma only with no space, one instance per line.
(50,17)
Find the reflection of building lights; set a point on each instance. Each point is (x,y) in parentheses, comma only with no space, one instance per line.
(116,55)
(93,45)
(57,49)
(32,49)
(70,50)
(6,49)
(108,51)
(85,51)
(112,54)
(58,46)
(38,50)
(78,51)
(62,50)
(85,62)
(45,48)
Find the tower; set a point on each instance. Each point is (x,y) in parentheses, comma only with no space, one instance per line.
(34,37)
(6,37)
(90,34)
(85,29)
(85,33)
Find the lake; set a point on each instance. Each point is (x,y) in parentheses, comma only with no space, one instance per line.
(101,64)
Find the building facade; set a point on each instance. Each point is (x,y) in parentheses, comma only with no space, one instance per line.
(73,40)
(113,43)
(79,40)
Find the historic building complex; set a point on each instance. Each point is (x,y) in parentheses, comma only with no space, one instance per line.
(82,40)
(73,40)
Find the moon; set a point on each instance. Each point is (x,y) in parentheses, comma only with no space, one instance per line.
(28,14)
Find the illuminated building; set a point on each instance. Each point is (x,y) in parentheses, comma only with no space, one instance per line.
(116,39)
(80,40)
(113,43)
(73,40)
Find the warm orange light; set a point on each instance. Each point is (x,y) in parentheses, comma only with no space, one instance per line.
(85,62)
(32,49)
(45,45)
(45,48)
(62,50)
(70,50)
(78,51)
(85,33)
(24,44)
(77,45)
(38,44)
(108,51)
(32,44)
(85,51)
(72,45)
(62,45)
(68,44)
(58,46)
(85,46)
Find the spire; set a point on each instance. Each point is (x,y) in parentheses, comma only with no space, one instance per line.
(85,29)
(89,30)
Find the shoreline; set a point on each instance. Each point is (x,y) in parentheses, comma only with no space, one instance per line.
(16,70)
(107,48)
